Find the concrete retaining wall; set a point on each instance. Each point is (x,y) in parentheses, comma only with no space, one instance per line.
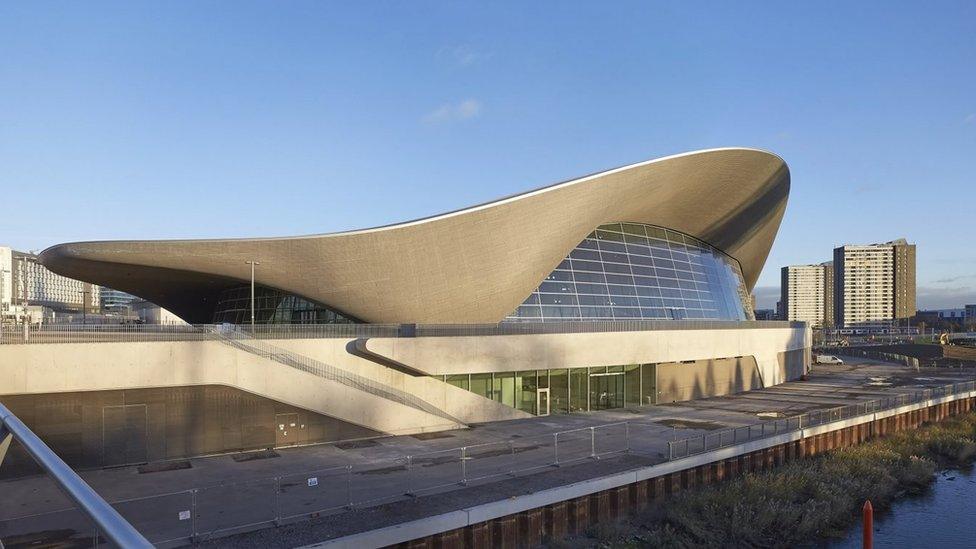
(526,521)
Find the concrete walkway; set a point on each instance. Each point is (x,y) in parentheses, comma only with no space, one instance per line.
(255,492)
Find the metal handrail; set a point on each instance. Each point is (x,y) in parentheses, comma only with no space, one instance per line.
(104,333)
(239,339)
(105,517)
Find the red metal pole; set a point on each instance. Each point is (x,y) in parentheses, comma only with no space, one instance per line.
(868,518)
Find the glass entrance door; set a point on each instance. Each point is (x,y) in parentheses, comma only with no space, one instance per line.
(542,401)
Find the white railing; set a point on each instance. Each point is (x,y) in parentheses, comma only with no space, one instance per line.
(222,508)
(112,333)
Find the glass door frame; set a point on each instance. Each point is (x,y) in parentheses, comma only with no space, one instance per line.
(538,401)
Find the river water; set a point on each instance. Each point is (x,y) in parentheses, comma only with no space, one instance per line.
(944,517)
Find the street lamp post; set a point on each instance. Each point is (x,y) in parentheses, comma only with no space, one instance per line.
(252,263)
(2,293)
(84,305)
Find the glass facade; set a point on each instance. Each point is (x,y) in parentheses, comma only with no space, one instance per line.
(272,307)
(626,271)
(565,390)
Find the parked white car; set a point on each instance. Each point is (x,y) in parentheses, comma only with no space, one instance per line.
(828,359)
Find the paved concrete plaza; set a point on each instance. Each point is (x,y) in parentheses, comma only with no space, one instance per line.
(502,459)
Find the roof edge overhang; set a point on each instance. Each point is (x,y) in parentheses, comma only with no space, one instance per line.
(469,265)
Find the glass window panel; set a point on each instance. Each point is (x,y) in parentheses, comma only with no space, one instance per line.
(648,384)
(557,299)
(590,255)
(590,277)
(560,312)
(632,385)
(622,290)
(561,275)
(526,386)
(481,384)
(529,311)
(592,266)
(641,270)
(641,260)
(648,291)
(699,270)
(616,268)
(663,254)
(620,279)
(603,300)
(609,236)
(557,287)
(592,288)
(596,312)
(631,229)
(606,246)
(614,257)
(626,312)
(578,390)
(459,381)
(559,391)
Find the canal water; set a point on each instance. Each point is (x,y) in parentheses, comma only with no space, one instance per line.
(944,517)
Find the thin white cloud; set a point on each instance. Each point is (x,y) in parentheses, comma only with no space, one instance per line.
(454,112)
(462,56)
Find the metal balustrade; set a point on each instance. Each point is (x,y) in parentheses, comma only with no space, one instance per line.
(730,437)
(114,333)
(241,340)
(104,519)
(217,509)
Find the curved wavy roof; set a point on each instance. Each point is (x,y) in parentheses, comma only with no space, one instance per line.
(468,266)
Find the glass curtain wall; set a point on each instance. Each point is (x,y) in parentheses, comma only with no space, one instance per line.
(272,307)
(570,389)
(626,271)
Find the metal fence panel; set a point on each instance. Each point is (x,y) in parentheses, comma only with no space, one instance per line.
(379,482)
(313,492)
(160,518)
(231,506)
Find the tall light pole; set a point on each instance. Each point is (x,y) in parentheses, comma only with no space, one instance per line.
(2,293)
(84,306)
(252,263)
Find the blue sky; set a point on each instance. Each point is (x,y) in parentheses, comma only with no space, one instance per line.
(220,119)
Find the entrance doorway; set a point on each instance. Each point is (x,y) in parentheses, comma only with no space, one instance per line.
(542,401)
(124,435)
(288,430)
